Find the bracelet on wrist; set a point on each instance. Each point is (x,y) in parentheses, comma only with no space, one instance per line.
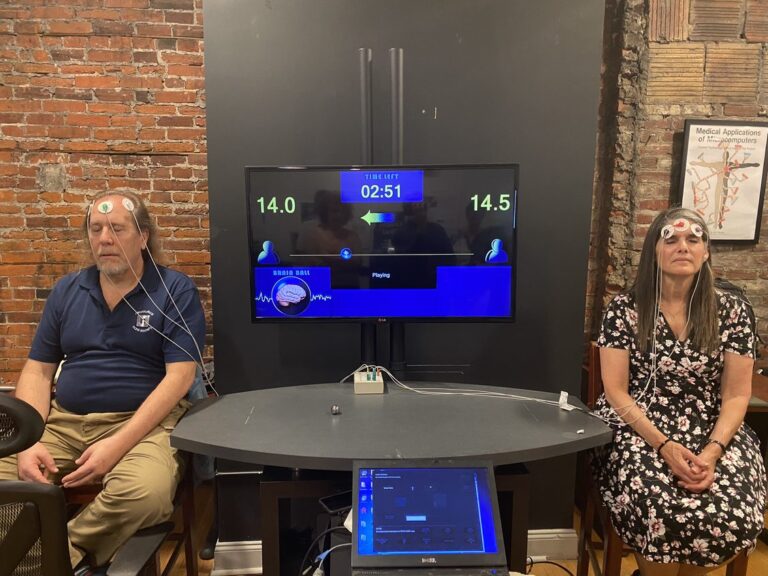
(713,441)
(662,445)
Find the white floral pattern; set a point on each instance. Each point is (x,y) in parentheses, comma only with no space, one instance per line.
(660,520)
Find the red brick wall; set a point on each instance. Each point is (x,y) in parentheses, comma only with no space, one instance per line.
(674,59)
(95,95)
(105,94)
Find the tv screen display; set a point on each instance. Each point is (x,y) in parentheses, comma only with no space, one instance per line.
(382,242)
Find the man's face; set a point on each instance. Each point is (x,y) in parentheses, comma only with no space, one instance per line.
(117,247)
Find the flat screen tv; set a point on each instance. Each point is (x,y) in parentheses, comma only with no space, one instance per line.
(358,243)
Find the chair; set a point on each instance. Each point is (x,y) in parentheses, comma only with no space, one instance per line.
(15,437)
(593,509)
(33,520)
(182,537)
(184,500)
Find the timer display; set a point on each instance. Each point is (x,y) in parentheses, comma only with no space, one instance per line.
(369,186)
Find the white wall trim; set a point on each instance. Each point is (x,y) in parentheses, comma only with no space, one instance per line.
(236,558)
(559,544)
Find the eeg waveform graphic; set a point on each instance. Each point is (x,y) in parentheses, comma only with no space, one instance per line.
(322,297)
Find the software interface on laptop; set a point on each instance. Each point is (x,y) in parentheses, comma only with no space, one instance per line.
(420,514)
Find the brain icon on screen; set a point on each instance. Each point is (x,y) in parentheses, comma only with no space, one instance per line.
(291,295)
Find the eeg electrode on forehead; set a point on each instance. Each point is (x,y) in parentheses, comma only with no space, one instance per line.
(105,207)
(681,225)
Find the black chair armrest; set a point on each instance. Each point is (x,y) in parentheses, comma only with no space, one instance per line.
(20,425)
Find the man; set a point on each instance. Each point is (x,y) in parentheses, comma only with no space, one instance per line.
(129,352)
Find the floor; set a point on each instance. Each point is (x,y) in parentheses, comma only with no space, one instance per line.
(758,561)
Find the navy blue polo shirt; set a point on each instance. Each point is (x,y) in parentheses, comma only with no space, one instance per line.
(114,359)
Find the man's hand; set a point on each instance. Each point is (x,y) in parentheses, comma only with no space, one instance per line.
(95,462)
(694,472)
(35,464)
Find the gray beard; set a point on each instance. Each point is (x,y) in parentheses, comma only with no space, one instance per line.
(112,270)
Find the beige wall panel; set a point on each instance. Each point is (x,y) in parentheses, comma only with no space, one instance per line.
(716,19)
(676,72)
(732,73)
(756,25)
(668,20)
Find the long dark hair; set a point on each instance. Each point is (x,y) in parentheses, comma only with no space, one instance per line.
(703,302)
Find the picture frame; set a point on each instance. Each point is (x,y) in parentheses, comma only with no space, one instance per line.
(723,176)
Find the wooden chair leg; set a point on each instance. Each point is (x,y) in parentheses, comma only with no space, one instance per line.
(738,566)
(188,523)
(614,548)
(152,568)
(585,537)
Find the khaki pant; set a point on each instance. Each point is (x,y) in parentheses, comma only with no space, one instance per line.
(138,492)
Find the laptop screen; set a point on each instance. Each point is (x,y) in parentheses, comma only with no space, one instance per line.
(417,513)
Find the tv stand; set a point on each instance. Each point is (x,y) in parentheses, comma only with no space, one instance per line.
(383,344)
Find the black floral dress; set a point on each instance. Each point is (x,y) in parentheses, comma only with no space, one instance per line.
(660,520)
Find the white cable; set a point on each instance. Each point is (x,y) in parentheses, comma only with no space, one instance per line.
(323,555)
(618,418)
(361,367)
(184,328)
(179,346)
(613,416)
(176,307)
(135,275)
(438,391)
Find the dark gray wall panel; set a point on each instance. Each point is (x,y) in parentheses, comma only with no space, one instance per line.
(484,81)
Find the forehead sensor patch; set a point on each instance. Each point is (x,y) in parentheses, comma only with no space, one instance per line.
(128,204)
(681,225)
(105,207)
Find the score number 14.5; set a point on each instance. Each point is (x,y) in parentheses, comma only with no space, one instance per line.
(489,204)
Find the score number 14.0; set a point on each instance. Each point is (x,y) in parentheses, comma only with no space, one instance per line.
(271,205)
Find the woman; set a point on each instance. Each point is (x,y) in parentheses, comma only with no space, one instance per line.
(683,479)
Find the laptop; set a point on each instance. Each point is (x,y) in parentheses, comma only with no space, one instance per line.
(414,517)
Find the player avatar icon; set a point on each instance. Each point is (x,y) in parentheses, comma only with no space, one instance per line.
(496,255)
(268,256)
(345,253)
(291,295)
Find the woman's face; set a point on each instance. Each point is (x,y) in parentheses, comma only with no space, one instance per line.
(681,250)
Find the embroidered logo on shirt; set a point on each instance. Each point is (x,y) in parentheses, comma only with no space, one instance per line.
(142,321)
